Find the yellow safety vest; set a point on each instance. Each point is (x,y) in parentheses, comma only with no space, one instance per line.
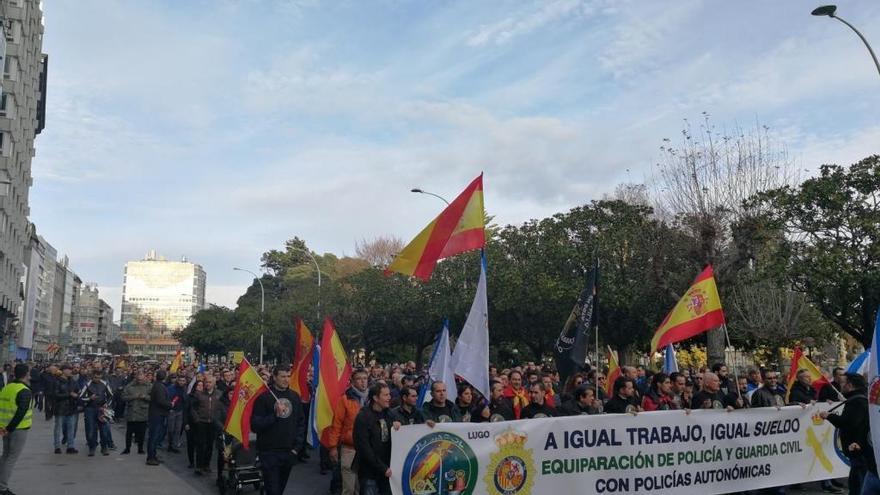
(8,406)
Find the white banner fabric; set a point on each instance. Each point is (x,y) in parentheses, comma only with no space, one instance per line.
(704,452)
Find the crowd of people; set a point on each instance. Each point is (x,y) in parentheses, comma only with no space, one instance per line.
(165,411)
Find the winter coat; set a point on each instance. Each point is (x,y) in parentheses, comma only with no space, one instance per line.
(137,397)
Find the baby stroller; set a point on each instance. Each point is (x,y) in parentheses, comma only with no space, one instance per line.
(241,467)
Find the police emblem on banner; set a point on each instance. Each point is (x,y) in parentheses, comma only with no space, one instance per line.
(440,462)
(511,470)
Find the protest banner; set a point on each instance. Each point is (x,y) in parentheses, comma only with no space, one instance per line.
(704,452)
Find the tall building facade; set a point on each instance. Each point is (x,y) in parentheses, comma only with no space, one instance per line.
(22,117)
(92,322)
(70,301)
(36,330)
(158,298)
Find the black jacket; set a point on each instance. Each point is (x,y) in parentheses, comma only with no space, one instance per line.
(448,413)
(709,400)
(278,433)
(801,394)
(501,410)
(618,404)
(160,404)
(65,405)
(855,427)
(372,441)
(538,411)
(764,397)
(400,415)
(573,407)
(96,394)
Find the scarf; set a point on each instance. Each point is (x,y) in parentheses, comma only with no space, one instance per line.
(360,396)
(519,398)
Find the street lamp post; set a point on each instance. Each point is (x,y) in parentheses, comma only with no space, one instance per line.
(420,191)
(262,307)
(309,254)
(829,10)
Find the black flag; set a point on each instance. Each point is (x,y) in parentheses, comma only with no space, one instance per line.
(571,346)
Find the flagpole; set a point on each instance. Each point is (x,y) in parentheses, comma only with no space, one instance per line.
(735,377)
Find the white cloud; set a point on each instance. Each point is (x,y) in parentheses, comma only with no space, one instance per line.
(527,20)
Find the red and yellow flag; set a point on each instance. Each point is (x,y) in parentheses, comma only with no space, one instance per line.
(457,229)
(177,362)
(335,372)
(698,310)
(248,387)
(302,358)
(613,372)
(801,362)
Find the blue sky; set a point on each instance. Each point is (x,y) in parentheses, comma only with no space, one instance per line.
(218,129)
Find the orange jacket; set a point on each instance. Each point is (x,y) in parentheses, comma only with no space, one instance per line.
(342,429)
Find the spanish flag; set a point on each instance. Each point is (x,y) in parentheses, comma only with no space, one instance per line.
(177,362)
(801,362)
(248,387)
(457,229)
(613,373)
(334,372)
(697,311)
(304,346)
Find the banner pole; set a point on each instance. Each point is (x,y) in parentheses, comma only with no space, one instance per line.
(735,375)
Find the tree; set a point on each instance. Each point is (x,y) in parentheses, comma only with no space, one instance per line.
(703,182)
(831,247)
(774,317)
(211,331)
(117,347)
(379,252)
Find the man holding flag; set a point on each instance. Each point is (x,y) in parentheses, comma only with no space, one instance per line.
(278,420)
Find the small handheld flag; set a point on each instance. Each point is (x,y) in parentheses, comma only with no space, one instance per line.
(697,311)
(799,361)
(248,387)
(440,369)
(302,359)
(670,365)
(613,372)
(177,362)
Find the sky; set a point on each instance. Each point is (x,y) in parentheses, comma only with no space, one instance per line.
(217,129)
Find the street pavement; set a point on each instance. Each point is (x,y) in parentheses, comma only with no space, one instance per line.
(40,471)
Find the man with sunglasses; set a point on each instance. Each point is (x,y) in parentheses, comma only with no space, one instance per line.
(769,394)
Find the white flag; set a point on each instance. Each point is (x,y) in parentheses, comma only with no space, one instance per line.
(873,372)
(440,369)
(471,358)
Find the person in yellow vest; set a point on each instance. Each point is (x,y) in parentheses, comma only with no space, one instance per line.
(16,409)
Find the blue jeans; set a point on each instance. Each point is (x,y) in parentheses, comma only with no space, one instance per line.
(94,427)
(871,485)
(375,487)
(155,435)
(65,426)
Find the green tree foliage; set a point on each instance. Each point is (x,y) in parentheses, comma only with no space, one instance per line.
(831,247)
(117,347)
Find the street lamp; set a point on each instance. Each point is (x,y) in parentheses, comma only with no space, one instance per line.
(262,307)
(829,10)
(420,191)
(309,254)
